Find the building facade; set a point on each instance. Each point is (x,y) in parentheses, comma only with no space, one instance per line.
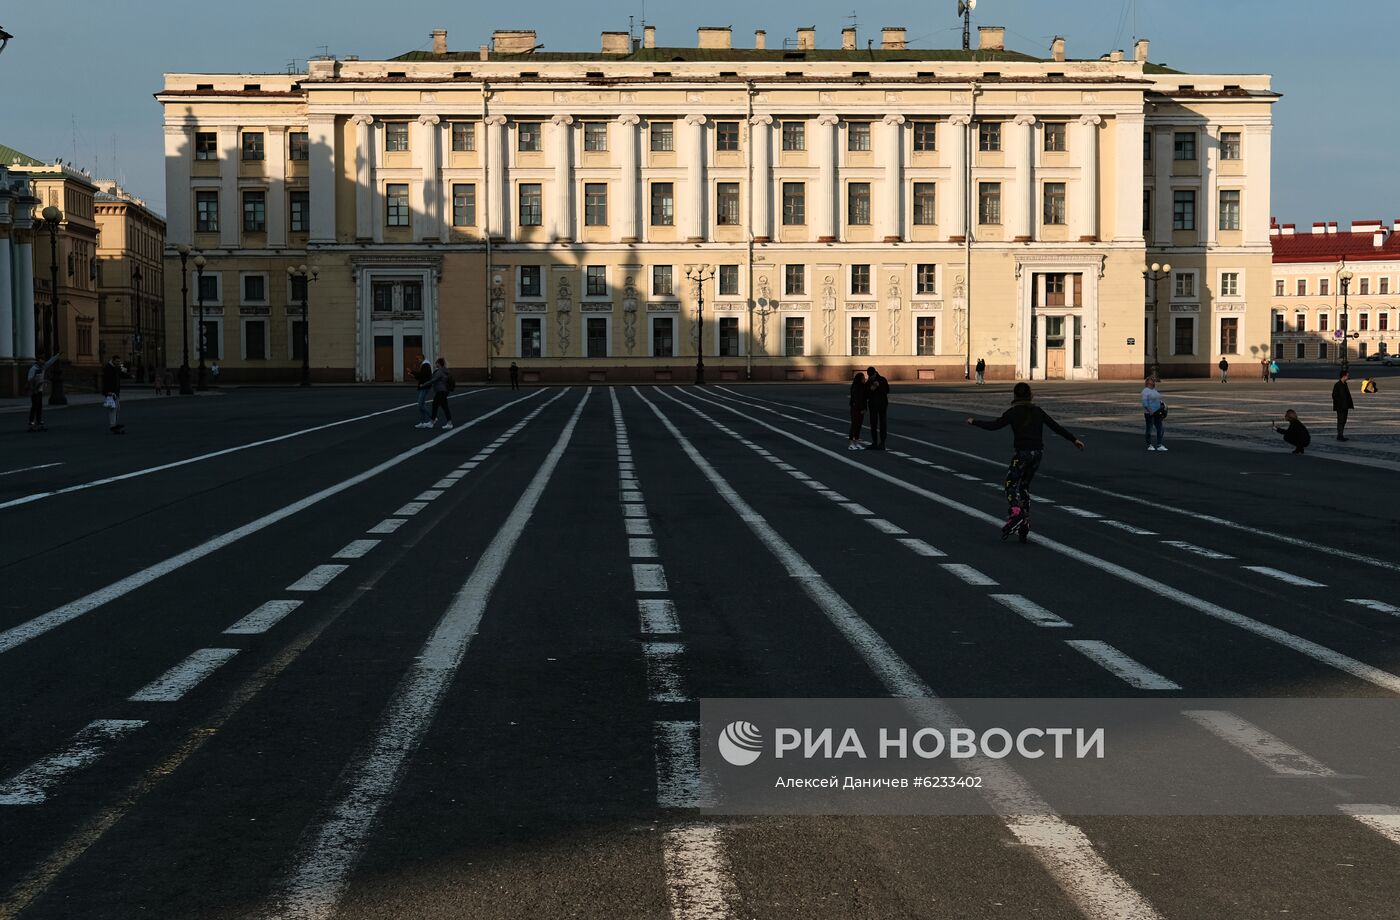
(130,280)
(17,314)
(914,209)
(1314,315)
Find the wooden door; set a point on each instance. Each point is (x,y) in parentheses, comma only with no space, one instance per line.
(383,359)
(1054,364)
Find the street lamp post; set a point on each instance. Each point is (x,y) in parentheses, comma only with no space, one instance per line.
(136,340)
(306,276)
(199,263)
(1157,273)
(699,274)
(184,250)
(52,216)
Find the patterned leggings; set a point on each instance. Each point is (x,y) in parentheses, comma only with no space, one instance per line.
(1019,474)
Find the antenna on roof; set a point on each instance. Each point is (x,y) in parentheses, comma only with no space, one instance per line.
(965,8)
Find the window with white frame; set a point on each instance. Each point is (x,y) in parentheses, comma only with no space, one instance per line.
(1229,145)
(595,204)
(1278,288)
(1054,135)
(396,136)
(1300,322)
(1229,284)
(528,137)
(663,204)
(530,337)
(794,336)
(212,339)
(663,337)
(1183,285)
(728,281)
(1324,322)
(858,136)
(1278,321)
(1184,335)
(794,135)
(209,288)
(596,336)
(596,281)
(1229,209)
(1302,287)
(531,208)
(662,281)
(1184,209)
(595,136)
(925,204)
(463,204)
(255,340)
(254,288)
(925,136)
(663,136)
(860,281)
(926,278)
(926,335)
(1364,288)
(727,204)
(396,212)
(1229,335)
(858,203)
(530,282)
(726,136)
(729,336)
(1054,210)
(794,280)
(860,337)
(463,136)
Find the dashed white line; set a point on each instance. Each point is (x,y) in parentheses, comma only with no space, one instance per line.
(26,469)
(1286,577)
(920,547)
(1197,550)
(1383,819)
(834,496)
(968,477)
(649,578)
(317,578)
(658,615)
(967,573)
(699,879)
(445,483)
(856,509)
(31,785)
(184,677)
(1271,751)
(634,511)
(638,527)
(663,672)
(1378,606)
(1080,512)
(411,509)
(885,526)
(1030,610)
(641,548)
(428,495)
(1129,528)
(678,783)
(356,549)
(1132,672)
(262,619)
(631,497)
(388,525)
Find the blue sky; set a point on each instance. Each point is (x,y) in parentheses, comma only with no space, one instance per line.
(78,78)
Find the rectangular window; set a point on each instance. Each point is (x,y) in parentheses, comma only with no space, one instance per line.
(1054,210)
(860,280)
(1383,323)
(206,145)
(299,145)
(728,281)
(925,204)
(1184,285)
(1321,350)
(662,281)
(531,281)
(597,337)
(858,135)
(298,291)
(663,337)
(1278,322)
(1230,209)
(1054,133)
(595,204)
(1184,145)
(729,336)
(663,204)
(595,136)
(207,287)
(1146,211)
(858,203)
(298,339)
(84,338)
(463,204)
(860,336)
(663,136)
(925,136)
(794,204)
(1229,284)
(794,336)
(463,136)
(1302,287)
(726,136)
(255,340)
(1365,323)
(1229,145)
(1298,350)
(1365,286)
(794,280)
(1385,286)
(531,337)
(596,281)
(1300,322)
(531,205)
(396,205)
(926,335)
(794,135)
(989,202)
(212,346)
(1322,323)
(396,136)
(1054,296)
(926,278)
(1230,336)
(255,289)
(255,212)
(252,145)
(1184,336)
(383,292)
(989,136)
(1184,209)
(1147,145)
(527,136)
(1324,286)
(299,211)
(206,212)
(727,204)
(1278,288)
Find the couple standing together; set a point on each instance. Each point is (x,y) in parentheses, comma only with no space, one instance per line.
(869,393)
(434,383)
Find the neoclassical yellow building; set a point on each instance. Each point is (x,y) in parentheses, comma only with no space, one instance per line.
(914,209)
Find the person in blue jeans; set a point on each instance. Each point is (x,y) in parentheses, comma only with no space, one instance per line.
(1154,412)
(424,377)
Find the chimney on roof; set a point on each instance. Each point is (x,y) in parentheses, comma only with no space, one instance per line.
(807,38)
(484,52)
(1319,226)
(991,38)
(513,41)
(848,38)
(713,36)
(760,39)
(1140,51)
(439,41)
(892,38)
(1331,226)
(617,43)
(648,36)
(1057,50)
(1380,236)
(1289,229)
(1396,226)
(1274,230)
(1115,56)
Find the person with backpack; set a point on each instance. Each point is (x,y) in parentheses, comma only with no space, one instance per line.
(1224,366)
(860,394)
(1296,433)
(423,376)
(112,374)
(1028,422)
(878,402)
(981,370)
(1342,404)
(1154,412)
(38,376)
(442,384)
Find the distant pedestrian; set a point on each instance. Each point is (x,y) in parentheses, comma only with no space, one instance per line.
(214,372)
(860,395)
(1264,369)
(112,374)
(1224,366)
(1273,371)
(878,404)
(37,380)
(1028,422)
(1296,433)
(423,377)
(981,370)
(514,376)
(1154,412)
(1342,404)
(442,384)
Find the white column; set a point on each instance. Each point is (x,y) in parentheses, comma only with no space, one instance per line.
(1023,194)
(425,201)
(1210,205)
(1128,174)
(563,138)
(442,140)
(276,153)
(1258,165)
(7,285)
(179,206)
(954,206)
(892,144)
(24,289)
(230,202)
(1162,187)
(825,212)
(761,150)
(496,199)
(321,174)
(629,178)
(1086,216)
(364,177)
(695,179)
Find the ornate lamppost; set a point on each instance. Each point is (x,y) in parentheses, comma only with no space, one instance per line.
(1345,277)
(202,381)
(699,274)
(1157,273)
(184,250)
(305,276)
(137,342)
(51,218)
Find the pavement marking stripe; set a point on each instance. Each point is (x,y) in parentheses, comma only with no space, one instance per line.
(356,549)
(1080,512)
(317,578)
(631,497)
(658,615)
(1279,756)
(1030,610)
(333,843)
(641,548)
(31,785)
(813,484)
(445,483)
(1383,819)
(834,496)
(1121,526)
(454,476)
(428,495)
(184,677)
(1197,550)
(678,782)
(1287,577)
(920,547)
(26,469)
(469,465)
(968,477)
(885,526)
(1134,673)
(649,578)
(699,878)
(664,681)
(388,525)
(638,527)
(262,619)
(411,509)
(857,509)
(1378,606)
(968,574)
(634,511)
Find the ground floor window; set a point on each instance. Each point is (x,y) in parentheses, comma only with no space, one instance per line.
(926,335)
(663,337)
(1361,349)
(1321,350)
(1298,350)
(1078,341)
(212,343)
(860,336)
(794,336)
(84,339)
(531,337)
(596,337)
(1183,336)
(1230,335)
(728,336)
(255,340)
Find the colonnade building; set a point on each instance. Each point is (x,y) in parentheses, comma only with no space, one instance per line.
(909,208)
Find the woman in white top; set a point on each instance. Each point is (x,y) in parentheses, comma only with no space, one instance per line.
(1154,411)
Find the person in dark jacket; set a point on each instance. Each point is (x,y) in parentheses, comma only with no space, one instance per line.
(514,376)
(981,370)
(878,402)
(1296,433)
(439,383)
(1342,404)
(112,374)
(38,374)
(1224,366)
(860,394)
(423,376)
(1028,423)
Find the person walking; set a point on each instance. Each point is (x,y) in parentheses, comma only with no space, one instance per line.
(1154,412)
(1264,369)
(1296,433)
(1273,371)
(514,376)
(1342,404)
(214,372)
(442,384)
(1028,422)
(423,376)
(981,370)
(860,394)
(1224,366)
(112,374)
(38,377)
(878,403)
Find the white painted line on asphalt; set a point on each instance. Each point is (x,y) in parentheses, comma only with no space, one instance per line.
(699,879)
(834,496)
(31,785)
(1042,500)
(626,467)
(786,467)
(26,469)
(388,525)
(678,782)
(649,578)
(628,483)
(1378,606)
(1197,550)
(453,476)
(634,511)
(638,527)
(942,469)
(920,547)
(334,842)
(1030,610)
(641,548)
(262,619)
(967,573)
(997,485)
(1119,665)
(631,497)
(854,508)
(184,677)
(658,615)
(428,495)
(1271,751)
(798,474)
(664,681)
(1121,526)
(469,465)
(1287,577)
(411,509)
(317,578)
(445,483)
(1383,819)
(885,526)
(813,484)
(356,549)
(968,477)
(1080,512)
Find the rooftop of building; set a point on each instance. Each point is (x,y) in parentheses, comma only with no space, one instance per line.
(1363,241)
(9,156)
